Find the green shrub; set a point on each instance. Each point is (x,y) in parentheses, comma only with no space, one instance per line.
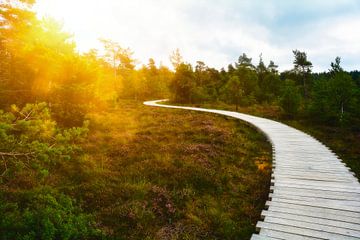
(44,215)
(32,143)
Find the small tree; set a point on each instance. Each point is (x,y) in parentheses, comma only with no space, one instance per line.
(335,66)
(183,83)
(342,91)
(244,61)
(290,98)
(176,59)
(273,67)
(303,66)
(233,90)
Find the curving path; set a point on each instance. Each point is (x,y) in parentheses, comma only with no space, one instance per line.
(313,194)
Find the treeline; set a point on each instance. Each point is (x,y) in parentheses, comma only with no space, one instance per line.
(331,97)
(39,63)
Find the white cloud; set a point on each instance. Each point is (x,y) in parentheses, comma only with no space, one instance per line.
(217,32)
(328,38)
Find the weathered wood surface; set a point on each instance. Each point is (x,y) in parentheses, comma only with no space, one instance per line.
(313,194)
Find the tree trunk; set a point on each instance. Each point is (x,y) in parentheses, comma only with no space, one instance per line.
(342,111)
(304,84)
(236,104)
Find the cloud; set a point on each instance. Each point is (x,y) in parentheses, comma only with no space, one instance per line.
(217,32)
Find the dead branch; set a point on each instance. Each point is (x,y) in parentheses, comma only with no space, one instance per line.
(16,154)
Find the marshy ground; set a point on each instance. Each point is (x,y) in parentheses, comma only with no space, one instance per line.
(171,174)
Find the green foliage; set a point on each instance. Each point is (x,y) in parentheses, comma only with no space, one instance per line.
(269,82)
(249,80)
(199,95)
(270,87)
(32,142)
(301,63)
(331,97)
(38,61)
(202,85)
(155,81)
(233,90)
(33,148)
(335,66)
(334,99)
(44,215)
(343,91)
(302,66)
(183,83)
(244,62)
(290,99)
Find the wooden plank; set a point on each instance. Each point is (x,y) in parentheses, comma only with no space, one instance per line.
(315,214)
(309,163)
(304,231)
(310,167)
(321,204)
(313,178)
(299,172)
(323,193)
(317,209)
(347,202)
(325,188)
(303,160)
(299,182)
(304,163)
(259,237)
(314,226)
(354,201)
(308,219)
(284,235)
(310,170)
(320,158)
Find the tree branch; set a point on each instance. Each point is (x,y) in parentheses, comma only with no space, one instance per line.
(16,154)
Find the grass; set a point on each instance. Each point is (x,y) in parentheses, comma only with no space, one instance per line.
(152,173)
(343,141)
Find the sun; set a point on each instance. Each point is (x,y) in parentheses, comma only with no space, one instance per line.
(77,18)
(70,12)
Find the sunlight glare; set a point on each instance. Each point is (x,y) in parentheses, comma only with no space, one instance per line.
(78,18)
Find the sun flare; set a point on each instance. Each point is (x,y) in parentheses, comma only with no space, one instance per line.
(77,17)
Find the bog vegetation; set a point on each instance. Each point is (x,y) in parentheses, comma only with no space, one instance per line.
(81,158)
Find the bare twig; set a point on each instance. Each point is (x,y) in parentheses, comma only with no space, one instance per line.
(28,115)
(16,154)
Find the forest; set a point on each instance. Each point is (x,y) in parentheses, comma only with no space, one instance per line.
(77,158)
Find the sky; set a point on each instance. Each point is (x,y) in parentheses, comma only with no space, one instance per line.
(217,32)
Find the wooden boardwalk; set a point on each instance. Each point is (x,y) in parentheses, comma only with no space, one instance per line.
(313,194)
